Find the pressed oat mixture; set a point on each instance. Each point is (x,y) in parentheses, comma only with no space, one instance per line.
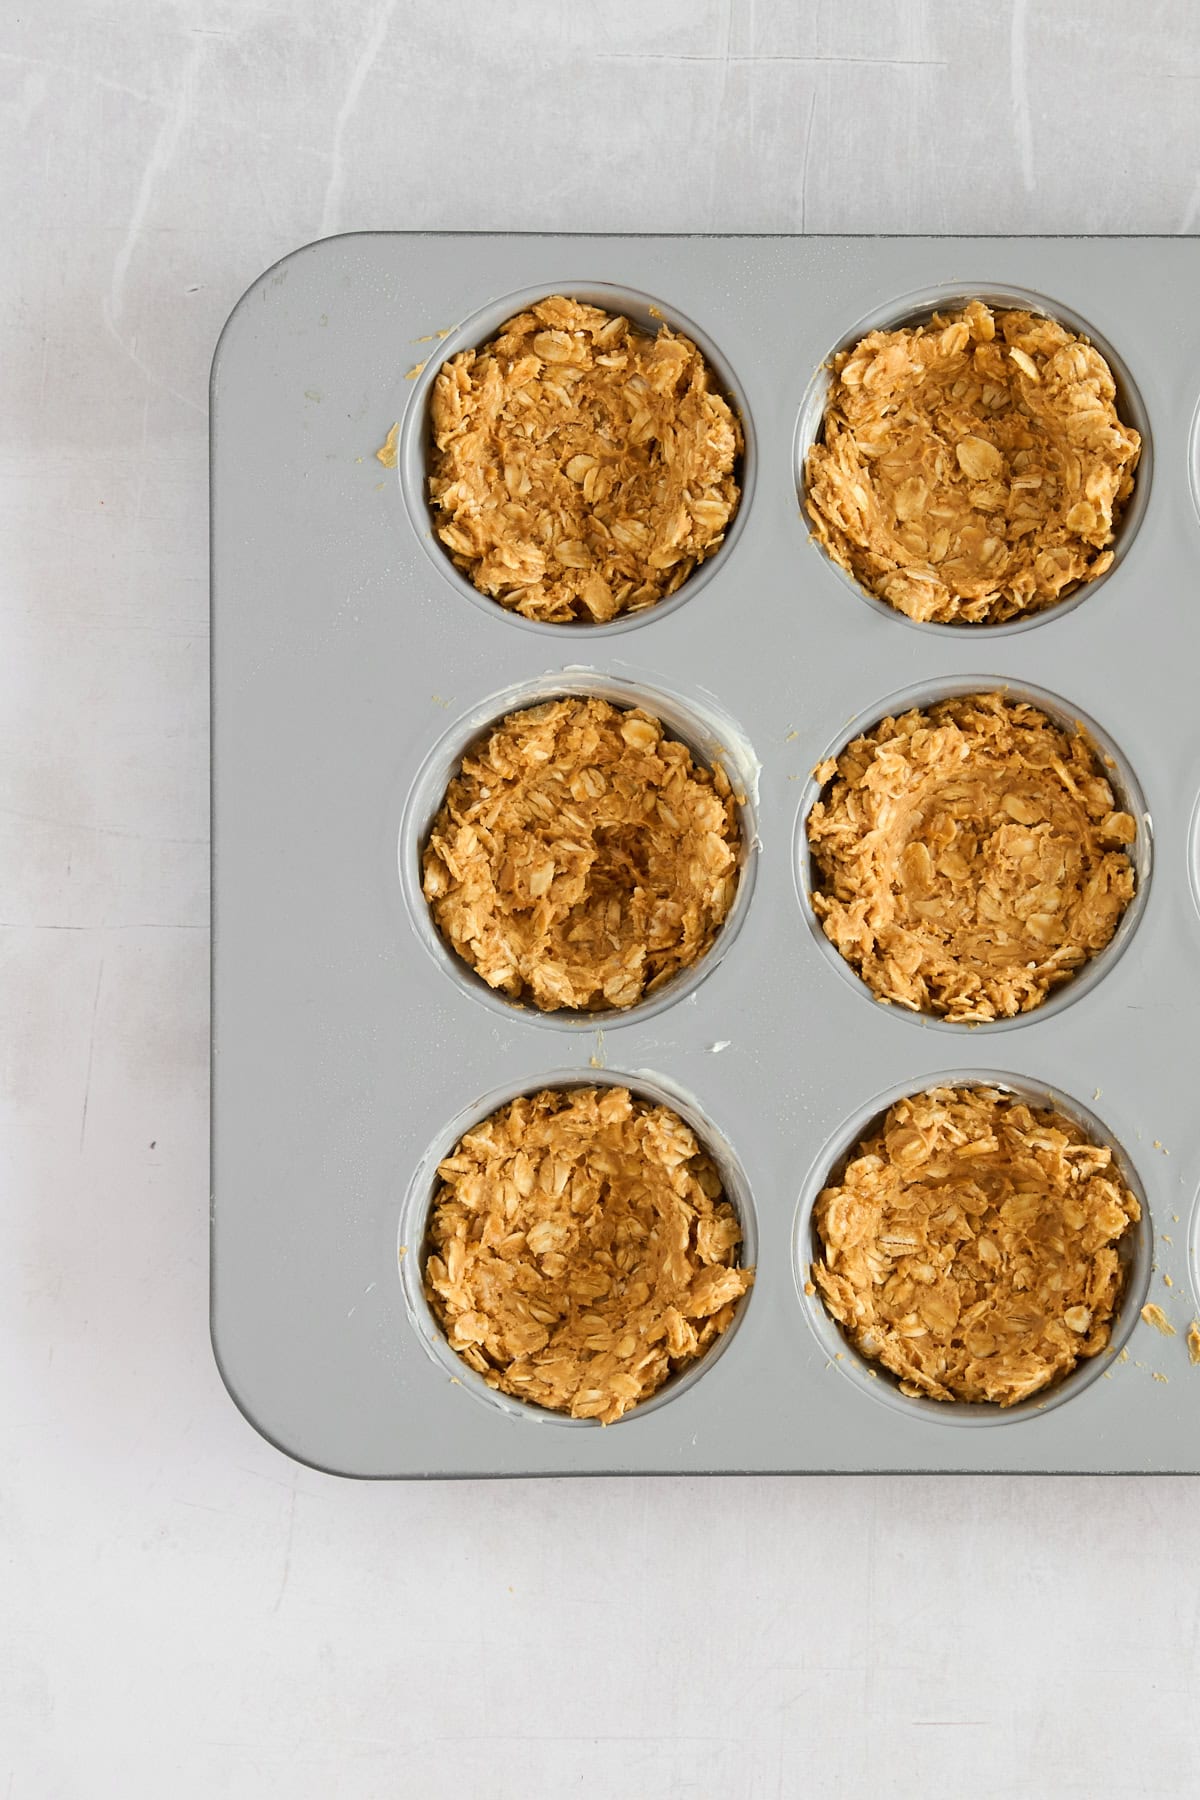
(972,469)
(580,1250)
(581,469)
(582,858)
(969,858)
(970,1245)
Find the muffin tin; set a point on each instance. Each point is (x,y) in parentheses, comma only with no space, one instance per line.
(351,666)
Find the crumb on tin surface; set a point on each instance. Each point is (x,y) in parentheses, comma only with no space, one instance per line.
(581,1250)
(1154,1315)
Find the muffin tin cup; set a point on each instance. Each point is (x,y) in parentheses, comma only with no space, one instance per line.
(696,721)
(414,442)
(1128,797)
(351,1046)
(917,309)
(412,1247)
(1135,1249)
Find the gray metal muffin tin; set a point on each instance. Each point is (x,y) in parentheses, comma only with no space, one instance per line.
(351,664)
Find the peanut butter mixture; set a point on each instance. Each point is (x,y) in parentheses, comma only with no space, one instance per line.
(581,469)
(969,1246)
(968,859)
(581,857)
(580,1250)
(972,469)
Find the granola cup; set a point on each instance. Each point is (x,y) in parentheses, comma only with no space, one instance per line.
(971,470)
(582,858)
(969,858)
(580,1250)
(972,1245)
(581,469)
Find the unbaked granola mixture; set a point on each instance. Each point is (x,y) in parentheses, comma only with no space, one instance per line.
(972,469)
(970,1245)
(581,1250)
(969,858)
(582,858)
(581,469)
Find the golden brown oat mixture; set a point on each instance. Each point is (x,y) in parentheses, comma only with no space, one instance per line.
(582,858)
(581,1250)
(969,1246)
(581,469)
(972,469)
(969,858)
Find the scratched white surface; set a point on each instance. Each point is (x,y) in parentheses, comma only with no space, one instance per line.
(183,1613)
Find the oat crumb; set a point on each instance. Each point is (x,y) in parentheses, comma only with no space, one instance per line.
(417,369)
(1193,1342)
(386,453)
(1154,1315)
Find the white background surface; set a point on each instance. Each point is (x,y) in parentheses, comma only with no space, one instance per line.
(184,1613)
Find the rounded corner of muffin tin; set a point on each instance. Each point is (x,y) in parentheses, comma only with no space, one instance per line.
(1136,1252)
(695,719)
(916,307)
(418,1199)
(483,323)
(1127,789)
